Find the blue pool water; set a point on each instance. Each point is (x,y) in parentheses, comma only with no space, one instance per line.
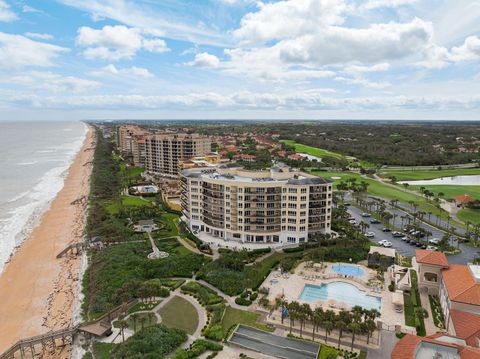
(342,292)
(346,269)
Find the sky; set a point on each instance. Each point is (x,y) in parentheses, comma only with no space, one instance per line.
(240,59)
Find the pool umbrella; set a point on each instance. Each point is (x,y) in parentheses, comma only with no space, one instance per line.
(332,302)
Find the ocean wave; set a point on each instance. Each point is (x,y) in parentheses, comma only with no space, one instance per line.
(22,220)
(28,163)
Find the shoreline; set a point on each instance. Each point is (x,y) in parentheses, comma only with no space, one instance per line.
(39,292)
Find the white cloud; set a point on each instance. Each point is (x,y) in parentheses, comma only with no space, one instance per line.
(155,45)
(289,19)
(36,35)
(116,42)
(52,82)
(204,59)
(30,9)
(6,14)
(295,100)
(363,69)
(150,16)
(375,4)
(470,50)
(18,51)
(129,71)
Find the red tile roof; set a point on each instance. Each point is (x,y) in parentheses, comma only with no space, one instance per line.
(467,326)
(407,346)
(431,257)
(463,199)
(460,284)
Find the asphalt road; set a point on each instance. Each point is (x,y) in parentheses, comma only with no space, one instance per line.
(467,253)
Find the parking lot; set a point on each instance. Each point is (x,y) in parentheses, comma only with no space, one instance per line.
(273,345)
(403,248)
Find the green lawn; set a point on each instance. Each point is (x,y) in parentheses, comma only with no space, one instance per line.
(127,201)
(181,314)
(472,215)
(326,351)
(314,151)
(409,175)
(451,191)
(234,316)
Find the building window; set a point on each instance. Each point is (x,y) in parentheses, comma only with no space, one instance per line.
(291,240)
(430,277)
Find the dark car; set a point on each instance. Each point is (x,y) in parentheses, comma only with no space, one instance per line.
(374,221)
(385,229)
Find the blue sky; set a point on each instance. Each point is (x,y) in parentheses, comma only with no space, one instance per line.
(291,59)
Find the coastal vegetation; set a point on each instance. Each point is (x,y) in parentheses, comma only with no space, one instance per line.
(156,341)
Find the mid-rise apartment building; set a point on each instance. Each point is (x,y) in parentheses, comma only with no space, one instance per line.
(160,153)
(164,151)
(277,206)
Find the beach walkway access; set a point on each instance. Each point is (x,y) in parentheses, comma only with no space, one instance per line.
(51,341)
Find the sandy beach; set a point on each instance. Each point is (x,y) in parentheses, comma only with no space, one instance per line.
(37,290)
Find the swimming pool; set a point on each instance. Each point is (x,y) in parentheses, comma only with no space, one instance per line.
(347,269)
(342,292)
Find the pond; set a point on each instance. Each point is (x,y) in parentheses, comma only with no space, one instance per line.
(473,180)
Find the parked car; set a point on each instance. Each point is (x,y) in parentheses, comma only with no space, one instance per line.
(434,241)
(365,214)
(385,229)
(432,248)
(385,243)
(397,234)
(374,221)
(370,234)
(352,221)
(404,238)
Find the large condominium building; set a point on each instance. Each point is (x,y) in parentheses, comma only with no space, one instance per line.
(131,142)
(164,151)
(278,206)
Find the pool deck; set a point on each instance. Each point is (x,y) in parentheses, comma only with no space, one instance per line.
(291,286)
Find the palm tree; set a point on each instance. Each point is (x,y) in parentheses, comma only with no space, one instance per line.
(341,326)
(123,324)
(292,313)
(328,326)
(143,319)
(369,326)
(318,315)
(134,318)
(151,316)
(307,312)
(354,329)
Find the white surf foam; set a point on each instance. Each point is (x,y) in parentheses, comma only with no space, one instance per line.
(35,202)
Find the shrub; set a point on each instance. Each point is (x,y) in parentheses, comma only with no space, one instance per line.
(253,296)
(214,332)
(391,286)
(242,301)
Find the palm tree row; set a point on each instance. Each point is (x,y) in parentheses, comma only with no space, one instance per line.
(356,321)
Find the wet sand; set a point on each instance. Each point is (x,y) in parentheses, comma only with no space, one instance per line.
(37,290)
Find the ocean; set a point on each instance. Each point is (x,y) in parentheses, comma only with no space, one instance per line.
(34,159)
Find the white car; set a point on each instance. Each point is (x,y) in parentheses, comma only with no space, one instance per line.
(352,221)
(385,243)
(365,214)
(370,234)
(432,248)
(434,241)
